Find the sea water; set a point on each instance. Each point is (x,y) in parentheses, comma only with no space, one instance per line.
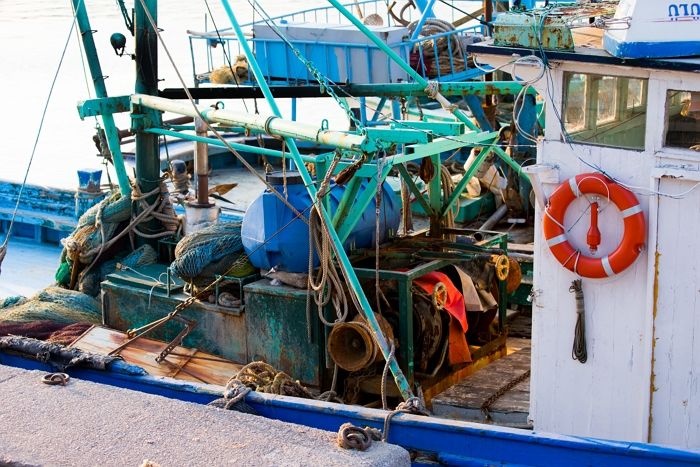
(33,34)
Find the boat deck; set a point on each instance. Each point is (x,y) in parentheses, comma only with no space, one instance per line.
(182,363)
(463,401)
(85,423)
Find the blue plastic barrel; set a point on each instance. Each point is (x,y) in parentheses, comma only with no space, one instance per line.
(272,237)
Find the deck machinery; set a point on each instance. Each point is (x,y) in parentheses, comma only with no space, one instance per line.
(273,324)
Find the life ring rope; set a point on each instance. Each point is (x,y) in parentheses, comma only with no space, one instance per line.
(555,233)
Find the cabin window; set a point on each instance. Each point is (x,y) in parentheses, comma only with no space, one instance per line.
(683,120)
(605,110)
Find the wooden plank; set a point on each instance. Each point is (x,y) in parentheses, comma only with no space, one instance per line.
(464,399)
(183,363)
(521,247)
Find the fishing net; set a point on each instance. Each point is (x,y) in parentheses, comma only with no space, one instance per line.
(216,249)
(11,301)
(108,222)
(56,305)
(68,334)
(50,331)
(98,225)
(90,283)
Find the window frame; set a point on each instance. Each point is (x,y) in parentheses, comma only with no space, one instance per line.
(591,111)
(666,115)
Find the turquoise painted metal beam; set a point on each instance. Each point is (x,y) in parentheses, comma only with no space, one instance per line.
(426,12)
(346,201)
(341,256)
(217,142)
(436,128)
(435,196)
(148,175)
(465,180)
(402,136)
(418,151)
(360,205)
(413,188)
(110,128)
(104,106)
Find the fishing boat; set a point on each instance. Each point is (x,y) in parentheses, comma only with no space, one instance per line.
(327,305)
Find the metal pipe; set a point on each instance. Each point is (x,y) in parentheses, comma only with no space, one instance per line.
(495,217)
(216,142)
(357,90)
(98,81)
(272,125)
(342,257)
(201,163)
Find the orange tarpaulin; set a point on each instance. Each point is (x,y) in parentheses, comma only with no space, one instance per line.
(454,305)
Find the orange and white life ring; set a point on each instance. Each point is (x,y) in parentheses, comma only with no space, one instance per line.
(633,238)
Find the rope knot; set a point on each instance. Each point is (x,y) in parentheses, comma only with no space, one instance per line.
(412,405)
(433,89)
(354,437)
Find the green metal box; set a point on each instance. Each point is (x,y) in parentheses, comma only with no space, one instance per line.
(276,320)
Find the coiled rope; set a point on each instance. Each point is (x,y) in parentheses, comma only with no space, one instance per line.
(578,351)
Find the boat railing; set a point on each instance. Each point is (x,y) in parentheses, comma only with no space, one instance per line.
(440,56)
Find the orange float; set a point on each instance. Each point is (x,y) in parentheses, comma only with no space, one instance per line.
(633,238)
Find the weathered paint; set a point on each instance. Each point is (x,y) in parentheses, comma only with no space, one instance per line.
(218,330)
(532,30)
(277,331)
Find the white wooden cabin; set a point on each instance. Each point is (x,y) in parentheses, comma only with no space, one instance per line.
(637,121)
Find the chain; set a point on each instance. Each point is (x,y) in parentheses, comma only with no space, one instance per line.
(500,392)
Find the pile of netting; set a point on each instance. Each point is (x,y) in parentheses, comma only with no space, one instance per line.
(90,283)
(116,218)
(53,304)
(214,250)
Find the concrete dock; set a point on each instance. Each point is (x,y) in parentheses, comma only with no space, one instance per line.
(90,424)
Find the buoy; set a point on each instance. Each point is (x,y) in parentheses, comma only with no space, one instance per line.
(633,238)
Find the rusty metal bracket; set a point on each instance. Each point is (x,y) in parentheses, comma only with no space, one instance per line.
(189,325)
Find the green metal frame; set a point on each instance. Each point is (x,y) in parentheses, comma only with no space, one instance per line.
(496,243)
(418,140)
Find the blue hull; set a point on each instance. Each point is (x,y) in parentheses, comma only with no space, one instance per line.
(448,441)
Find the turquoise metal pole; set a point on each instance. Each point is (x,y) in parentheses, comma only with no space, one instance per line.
(354,283)
(216,142)
(257,72)
(101,91)
(426,12)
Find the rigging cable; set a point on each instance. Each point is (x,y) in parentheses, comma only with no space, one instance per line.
(3,247)
(214,131)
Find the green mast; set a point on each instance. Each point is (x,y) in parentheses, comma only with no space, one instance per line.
(98,81)
(147,149)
